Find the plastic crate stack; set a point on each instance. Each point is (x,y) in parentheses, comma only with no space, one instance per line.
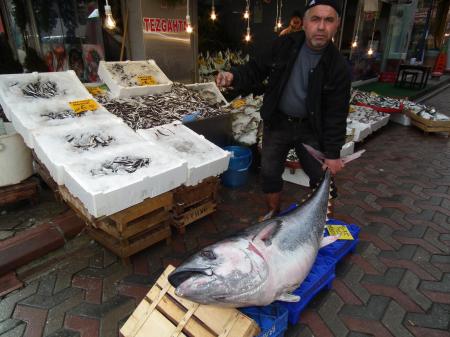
(273,319)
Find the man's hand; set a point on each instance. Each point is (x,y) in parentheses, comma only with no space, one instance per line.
(224,79)
(334,165)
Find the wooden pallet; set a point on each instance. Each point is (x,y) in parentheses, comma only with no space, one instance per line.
(193,213)
(163,314)
(194,202)
(126,247)
(428,125)
(25,190)
(44,174)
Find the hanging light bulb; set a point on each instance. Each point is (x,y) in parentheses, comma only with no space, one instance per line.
(279,24)
(110,23)
(246,13)
(355,44)
(248,37)
(370,51)
(213,12)
(189,28)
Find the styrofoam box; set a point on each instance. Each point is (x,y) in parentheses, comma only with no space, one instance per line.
(55,151)
(347,149)
(11,96)
(211,86)
(298,177)
(118,90)
(204,159)
(26,120)
(108,194)
(361,130)
(401,119)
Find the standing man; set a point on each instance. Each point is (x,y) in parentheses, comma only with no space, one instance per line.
(295,24)
(306,100)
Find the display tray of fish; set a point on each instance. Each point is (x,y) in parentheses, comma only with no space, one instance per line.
(133,78)
(145,112)
(262,264)
(427,112)
(377,102)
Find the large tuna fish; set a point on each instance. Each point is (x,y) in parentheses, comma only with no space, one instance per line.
(264,263)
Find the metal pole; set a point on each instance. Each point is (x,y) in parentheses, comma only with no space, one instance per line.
(341,33)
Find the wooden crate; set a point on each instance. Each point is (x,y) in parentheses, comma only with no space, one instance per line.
(44,174)
(128,246)
(194,202)
(428,125)
(163,314)
(27,189)
(187,196)
(198,211)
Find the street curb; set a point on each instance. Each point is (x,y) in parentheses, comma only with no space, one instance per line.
(38,241)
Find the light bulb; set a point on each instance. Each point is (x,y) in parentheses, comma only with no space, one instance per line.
(279,24)
(213,14)
(110,23)
(246,14)
(248,37)
(370,51)
(447,34)
(189,28)
(354,44)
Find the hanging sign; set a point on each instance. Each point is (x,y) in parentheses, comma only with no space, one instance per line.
(83,105)
(164,25)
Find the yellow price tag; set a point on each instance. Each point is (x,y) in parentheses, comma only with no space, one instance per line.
(147,80)
(83,105)
(95,90)
(236,104)
(340,230)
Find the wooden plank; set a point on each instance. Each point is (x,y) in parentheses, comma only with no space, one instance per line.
(27,189)
(194,214)
(150,204)
(125,248)
(429,125)
(44,174)
(136,226)
(186,196)
(76,205)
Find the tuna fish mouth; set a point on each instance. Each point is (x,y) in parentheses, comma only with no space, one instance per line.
(177,277)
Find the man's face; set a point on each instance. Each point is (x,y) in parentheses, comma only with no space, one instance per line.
(295,24)
(320,24)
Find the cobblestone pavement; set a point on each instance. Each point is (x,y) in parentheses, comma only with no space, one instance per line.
(397,283)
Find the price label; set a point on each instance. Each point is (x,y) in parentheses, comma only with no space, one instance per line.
(236,104)
(83,105)
(95,90)
(340,230)
(147,80)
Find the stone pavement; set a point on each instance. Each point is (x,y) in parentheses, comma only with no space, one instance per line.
(396,284)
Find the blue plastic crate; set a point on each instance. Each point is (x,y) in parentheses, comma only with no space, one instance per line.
(272,319)
(340,248)
(321,275)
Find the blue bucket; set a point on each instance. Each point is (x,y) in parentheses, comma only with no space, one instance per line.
(240,161)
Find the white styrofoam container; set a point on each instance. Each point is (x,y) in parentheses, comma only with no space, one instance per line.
(211,86)
(347,149)
(15,158)
(298,177)
(401,119)
(108,194)
(361,130)
(11,96)
(55,151)
(118,90)
(28,120)
(204,159)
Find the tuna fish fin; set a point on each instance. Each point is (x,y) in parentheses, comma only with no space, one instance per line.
(268,231)
(287,297)
(326,240)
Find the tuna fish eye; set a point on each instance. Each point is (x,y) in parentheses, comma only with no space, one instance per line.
(208,254)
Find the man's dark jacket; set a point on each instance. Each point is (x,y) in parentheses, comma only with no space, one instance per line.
(328,96)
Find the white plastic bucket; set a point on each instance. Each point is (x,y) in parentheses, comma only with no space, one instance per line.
(16,162)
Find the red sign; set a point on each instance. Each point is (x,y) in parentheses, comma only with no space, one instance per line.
(164,25)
